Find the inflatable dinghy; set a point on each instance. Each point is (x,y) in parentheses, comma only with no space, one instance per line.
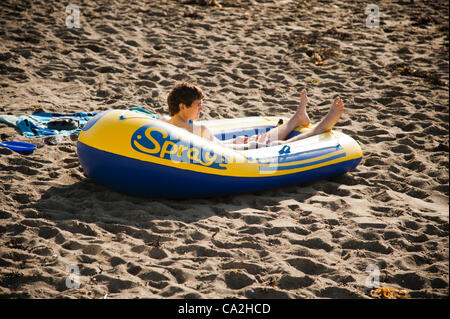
(141,155)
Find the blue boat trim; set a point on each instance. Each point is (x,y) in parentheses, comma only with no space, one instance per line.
(250,132)
(242,132)
(282,168)
(301,156)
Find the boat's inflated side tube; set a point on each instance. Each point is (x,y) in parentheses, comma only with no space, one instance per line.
(139,155)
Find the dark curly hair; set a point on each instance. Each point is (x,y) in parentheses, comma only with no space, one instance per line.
(183,92)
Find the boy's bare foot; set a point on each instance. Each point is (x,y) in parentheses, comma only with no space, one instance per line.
(301,115)
(334,114)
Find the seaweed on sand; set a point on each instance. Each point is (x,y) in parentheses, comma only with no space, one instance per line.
(404,69)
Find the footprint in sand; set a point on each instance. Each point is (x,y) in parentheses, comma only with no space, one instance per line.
(238,280)
(338,293)
(115,285)
(373,246)
(107,29)
(115,261)
(5,215)
(71,162)
(251,268)
(48,232)
(409,280)
(23,198)
(313,243)
(291,282)
(133,269)
(77,227)
(72,245)
(267,293)
(42,251)
(308,266)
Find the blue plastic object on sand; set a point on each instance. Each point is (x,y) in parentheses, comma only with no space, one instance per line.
(19,146)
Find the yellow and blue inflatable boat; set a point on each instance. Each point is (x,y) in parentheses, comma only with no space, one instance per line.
(140,155)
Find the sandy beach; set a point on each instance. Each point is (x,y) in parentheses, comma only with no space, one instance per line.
(387,221)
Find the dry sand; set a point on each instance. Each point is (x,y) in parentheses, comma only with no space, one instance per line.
(252,58)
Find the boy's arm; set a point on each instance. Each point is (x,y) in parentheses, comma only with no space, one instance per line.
(206,134)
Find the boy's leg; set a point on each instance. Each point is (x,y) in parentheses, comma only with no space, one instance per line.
(326,124)
(300,118)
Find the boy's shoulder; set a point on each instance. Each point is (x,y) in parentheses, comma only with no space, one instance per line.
(165,118)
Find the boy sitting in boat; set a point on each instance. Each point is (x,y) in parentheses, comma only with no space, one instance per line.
(185,105)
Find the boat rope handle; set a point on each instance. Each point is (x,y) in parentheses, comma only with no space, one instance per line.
(123,117)
(286,149)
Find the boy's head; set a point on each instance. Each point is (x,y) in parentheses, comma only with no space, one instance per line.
(183,92)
